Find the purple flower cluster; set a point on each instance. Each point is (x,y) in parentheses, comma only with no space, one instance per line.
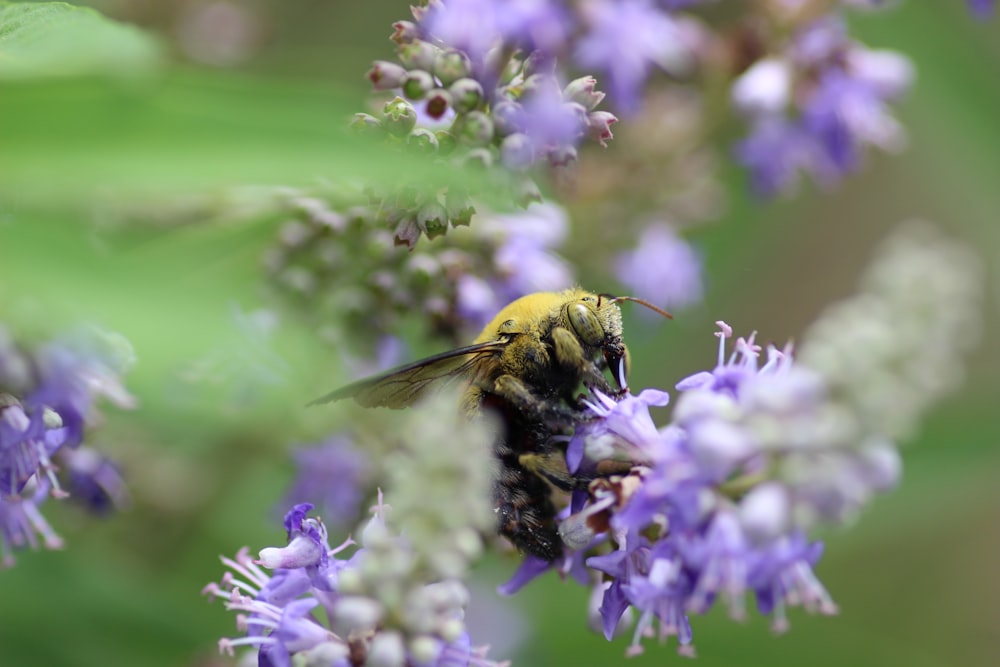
(814,107)
(623,39)
(485,79)
(718,504)
(46,400)
(312,605)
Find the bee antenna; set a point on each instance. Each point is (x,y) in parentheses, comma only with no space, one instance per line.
(641,302)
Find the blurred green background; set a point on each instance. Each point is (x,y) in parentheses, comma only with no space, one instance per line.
(133,131)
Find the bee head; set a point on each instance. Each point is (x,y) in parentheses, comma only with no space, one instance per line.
(596,319)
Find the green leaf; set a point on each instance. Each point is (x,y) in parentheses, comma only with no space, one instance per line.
(56,39)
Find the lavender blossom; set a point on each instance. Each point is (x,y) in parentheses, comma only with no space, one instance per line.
(476,26)
(662,269)
(79,369)
(43,420)
(95,480)
(332,475)
(626,39)
(359,622)
(22,524)
(982,9)
(817,106)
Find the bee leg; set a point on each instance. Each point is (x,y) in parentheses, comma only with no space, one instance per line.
(569,354)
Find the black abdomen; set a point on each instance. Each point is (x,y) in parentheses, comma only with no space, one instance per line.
(522,499)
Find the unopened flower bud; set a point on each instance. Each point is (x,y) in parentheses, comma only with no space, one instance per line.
(517,151)
(385,75)
(407,233)
(355,613)
(563,156)
(418,54)
(363,123)
(765,512)
(423,140)
(526,192)
(466,95)
(400,117)
(446,142)
(478,158)
(575,532)
(433,219)
(582,92)
(459,206)
(387,650)
(404,32)
(476,129)
(417,84)
(599,126)
(451,65)
(424,649)
(51,418)
(508,117)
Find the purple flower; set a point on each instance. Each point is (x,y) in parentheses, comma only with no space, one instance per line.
(720,556)
(776,151)
(553,126)
(782,574)
(662,269)
(95,480)
(76,371)
(815,107)
(58,384)
(531,568)
(28,440)
(982,9)
(333,475)
(476,26)
(627,38)
(525,260)
(624,425)
(847,112)
(21,523)
(716,503)
(313,602)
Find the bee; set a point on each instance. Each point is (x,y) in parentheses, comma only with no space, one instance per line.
(526,366)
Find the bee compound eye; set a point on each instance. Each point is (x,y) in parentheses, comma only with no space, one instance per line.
(585,324)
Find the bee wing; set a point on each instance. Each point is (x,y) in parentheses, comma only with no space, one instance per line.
(403,385)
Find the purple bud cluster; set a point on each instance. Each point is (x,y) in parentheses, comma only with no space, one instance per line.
(331,610)
(487,72)
(478,85)
(47,398)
